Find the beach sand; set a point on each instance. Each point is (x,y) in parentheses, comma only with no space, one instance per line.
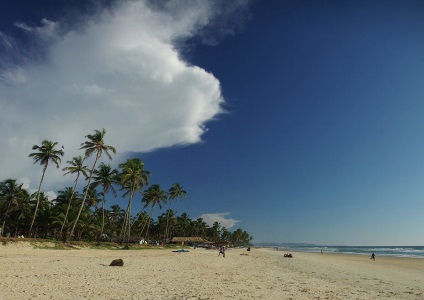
(28,273)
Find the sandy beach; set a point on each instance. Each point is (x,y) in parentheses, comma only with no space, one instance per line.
(28,273)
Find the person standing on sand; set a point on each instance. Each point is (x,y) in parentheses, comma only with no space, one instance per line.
(222,251)
(373,256)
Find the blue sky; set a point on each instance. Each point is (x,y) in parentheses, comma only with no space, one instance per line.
(302,120)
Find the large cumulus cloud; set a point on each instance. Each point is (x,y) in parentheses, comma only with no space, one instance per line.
(120,69)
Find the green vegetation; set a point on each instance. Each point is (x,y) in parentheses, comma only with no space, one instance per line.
(76,217)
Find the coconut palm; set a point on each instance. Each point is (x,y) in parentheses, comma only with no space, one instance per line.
(10,192)
(140,222)
(200,227)
(183,224)
(132,178)
(215,231)
(106,177)
(115,218)
(43,220)
(64,199)
(116,214)
(21,213)
(153,196)
(76,165)
(176,191)
(46,153)
(95,144)
(92,200)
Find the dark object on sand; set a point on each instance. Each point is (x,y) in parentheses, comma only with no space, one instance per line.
(248,249)
(182,250)
(289,255)
(117,263)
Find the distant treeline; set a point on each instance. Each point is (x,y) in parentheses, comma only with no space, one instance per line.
(83,215)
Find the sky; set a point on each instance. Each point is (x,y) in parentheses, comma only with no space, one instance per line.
(297,121)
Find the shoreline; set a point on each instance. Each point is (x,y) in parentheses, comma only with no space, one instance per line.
(377,255)
(380,251)
(264,273)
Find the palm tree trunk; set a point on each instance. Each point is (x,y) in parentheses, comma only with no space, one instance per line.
(167,221)
(147,221)
(129,217)
(140,235)
(126,218)
(103,219)
(124,226)
(148,224)
(2,227)
(103,212)
(85,194)
(69,206)
(4,220)
(38,200)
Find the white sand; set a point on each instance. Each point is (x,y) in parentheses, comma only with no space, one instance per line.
(28,273)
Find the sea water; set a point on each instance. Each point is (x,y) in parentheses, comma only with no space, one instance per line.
(397,251)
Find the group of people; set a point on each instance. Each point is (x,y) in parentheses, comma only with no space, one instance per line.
(222,251)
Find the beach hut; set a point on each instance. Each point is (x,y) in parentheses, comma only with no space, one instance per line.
(189,240)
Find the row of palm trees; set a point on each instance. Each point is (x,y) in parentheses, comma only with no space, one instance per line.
(75,215)
(18,204)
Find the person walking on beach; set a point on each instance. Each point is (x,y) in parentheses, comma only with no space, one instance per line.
(222,251)
(373,256)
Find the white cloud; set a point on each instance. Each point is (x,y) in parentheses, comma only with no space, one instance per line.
(4,41)
(220,218)
(26,184)
(121,70)
(51,195)
(47,30)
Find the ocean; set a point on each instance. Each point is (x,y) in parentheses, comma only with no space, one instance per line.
(397,251)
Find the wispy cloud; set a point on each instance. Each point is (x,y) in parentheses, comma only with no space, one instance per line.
(47,29)
(220,218)
(121,69)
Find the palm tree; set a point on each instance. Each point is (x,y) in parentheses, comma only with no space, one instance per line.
(200,227)
(10,192)
(113,216)
(92,200)
(95,144)
(106,177)
(43,220)
(76,165)
(140,221)
(132,178)
(46,153)
(183,224)
(64,197)
(215,231)
(176,191)
(22,212)
(116,215)
(153,196)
